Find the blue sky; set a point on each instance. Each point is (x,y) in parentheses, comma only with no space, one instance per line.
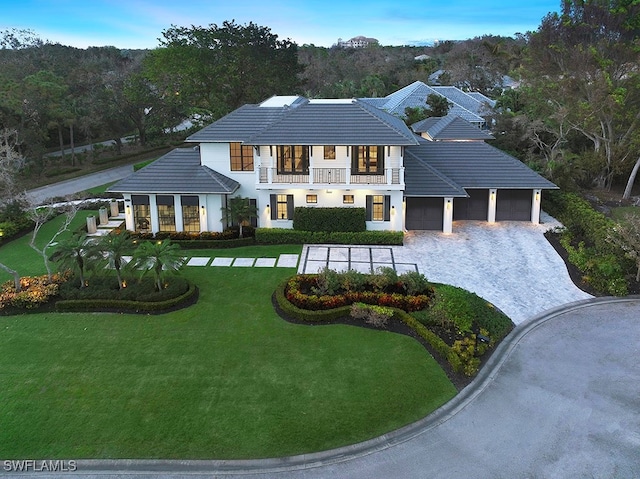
(139,23)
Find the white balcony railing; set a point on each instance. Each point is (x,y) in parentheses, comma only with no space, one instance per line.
(330,176)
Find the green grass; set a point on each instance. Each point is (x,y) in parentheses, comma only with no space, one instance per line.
(18,255)
(224,378)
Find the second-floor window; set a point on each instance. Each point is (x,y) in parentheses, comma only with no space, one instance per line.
(293,159)
(367,160)
(241,157)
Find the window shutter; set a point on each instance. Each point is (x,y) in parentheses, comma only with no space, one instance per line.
(387,208)
(354,159)
(289,207)
(380,159)
(274,206)
(369,208)
(254,219)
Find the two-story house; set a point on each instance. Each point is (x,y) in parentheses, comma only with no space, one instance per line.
(290,151)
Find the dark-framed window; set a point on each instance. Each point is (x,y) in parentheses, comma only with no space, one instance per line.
(378,208)
(141,213)
(329,152)
(367,160)
(190,213)
(166,213)
(241,157)
(281,207)
(348,199)
(312,198)
(293,159)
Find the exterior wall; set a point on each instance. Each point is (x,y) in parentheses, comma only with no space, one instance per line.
(210,215)
(330,198)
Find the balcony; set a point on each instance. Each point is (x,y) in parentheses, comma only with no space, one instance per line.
(329,176)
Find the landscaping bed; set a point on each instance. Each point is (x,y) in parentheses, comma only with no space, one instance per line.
(458,328)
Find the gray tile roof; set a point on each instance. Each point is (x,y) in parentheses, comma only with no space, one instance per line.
(482,98)
(422,180)
(340,123)
(475,164)
(450,127)
(415,95)
(459,97)
(179,171)
(239,125)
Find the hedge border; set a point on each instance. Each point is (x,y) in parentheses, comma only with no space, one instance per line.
(328,315)
(128,306)
(291,236)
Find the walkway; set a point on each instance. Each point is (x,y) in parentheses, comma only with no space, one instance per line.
(282,261)
(558,399)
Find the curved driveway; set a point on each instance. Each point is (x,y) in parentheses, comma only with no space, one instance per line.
(560,398)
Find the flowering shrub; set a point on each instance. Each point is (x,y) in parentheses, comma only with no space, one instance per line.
(310,292)
(35,291)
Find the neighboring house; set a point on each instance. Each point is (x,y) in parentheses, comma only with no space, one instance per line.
(357,42)
(290,151)
(416,94)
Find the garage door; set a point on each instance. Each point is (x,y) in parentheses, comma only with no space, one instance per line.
(514,205)
(475,207)
(424,213)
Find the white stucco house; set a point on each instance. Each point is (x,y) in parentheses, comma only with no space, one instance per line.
(291,151)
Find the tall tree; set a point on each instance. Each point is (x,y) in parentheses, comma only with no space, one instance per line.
(220,68)
(584,59)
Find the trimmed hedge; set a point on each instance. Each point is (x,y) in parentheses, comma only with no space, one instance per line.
(329,219)
(441,348)
(289,236)
(586,239)
(128,306)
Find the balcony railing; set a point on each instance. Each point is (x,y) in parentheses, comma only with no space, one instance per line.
(330,176)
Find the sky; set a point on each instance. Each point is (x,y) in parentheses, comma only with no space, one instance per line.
(133,24)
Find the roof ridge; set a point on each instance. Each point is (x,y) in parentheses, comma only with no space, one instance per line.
(379,115)
(214,175)
(444,122)
(286,111)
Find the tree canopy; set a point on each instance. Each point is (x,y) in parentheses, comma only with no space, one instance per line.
(220,68)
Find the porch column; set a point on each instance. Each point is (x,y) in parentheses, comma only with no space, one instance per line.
(128,214)
(348,175)
(153,207)
(202,200)
(491,216)
(177,208)
(535,207)
(447,223)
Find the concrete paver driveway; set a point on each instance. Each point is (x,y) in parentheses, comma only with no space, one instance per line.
(510,264)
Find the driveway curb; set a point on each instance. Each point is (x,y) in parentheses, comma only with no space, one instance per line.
(317,459)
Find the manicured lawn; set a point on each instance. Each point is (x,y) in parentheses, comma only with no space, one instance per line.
(17,254)
(620,212)
(224,378)
(101,189)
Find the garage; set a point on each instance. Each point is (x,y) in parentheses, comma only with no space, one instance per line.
(475,207)
(424,213)
(514,205)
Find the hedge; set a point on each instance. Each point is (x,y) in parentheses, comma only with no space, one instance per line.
(289,236)
(128,306)
(329,219)
(441,348)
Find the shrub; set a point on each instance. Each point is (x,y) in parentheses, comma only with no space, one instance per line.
(35,291)
(289,236)
(377,316)
(413,282)
(329,219)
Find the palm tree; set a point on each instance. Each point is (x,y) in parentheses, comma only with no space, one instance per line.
(239,210)
(114,248)
(77,254)
(159,258)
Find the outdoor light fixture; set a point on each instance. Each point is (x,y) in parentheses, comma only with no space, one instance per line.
(537,196)
(393,209)
(448,204)
(128,210)
(493,195)
(202,209)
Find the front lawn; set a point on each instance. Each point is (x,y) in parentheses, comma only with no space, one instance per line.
(224,378)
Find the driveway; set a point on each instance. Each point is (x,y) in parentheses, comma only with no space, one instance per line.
(510,264)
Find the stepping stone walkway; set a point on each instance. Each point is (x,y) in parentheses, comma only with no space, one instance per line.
(283,261)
